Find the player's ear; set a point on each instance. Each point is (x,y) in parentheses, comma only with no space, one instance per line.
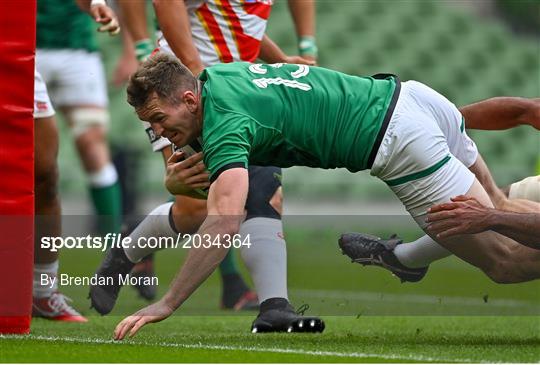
(190,99)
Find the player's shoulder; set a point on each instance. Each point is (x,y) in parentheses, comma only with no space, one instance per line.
(223,69)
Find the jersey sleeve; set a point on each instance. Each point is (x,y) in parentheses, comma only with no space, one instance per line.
(227,144)
(158,143)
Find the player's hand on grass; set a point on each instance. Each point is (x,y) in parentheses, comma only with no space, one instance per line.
(463,215)
(104,15)
(183,176)
(131,325)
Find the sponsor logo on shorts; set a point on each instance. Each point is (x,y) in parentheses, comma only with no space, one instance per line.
(41,106)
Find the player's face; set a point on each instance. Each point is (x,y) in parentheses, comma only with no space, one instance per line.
(179,122)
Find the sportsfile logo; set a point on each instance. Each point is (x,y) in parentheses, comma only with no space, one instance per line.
(111,240)
(117,240)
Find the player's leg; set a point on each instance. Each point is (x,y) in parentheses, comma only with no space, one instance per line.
(499,257)
(183,216)
(88,125)
(81,93)
(514,111)
(121,261)
(410,261)
(452,122)
(422,172)
(48,302)
(266,258)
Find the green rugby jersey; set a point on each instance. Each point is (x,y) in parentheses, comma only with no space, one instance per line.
(61,24)
(292,115)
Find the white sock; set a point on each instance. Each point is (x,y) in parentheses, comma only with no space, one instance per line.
(156,224)
(48,272)
(107,176)
(420,253)
(266,259)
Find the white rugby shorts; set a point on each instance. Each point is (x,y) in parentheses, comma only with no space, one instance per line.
(73,76)
(42,104)
(425,153)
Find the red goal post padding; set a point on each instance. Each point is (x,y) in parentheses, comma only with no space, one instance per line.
(17,49)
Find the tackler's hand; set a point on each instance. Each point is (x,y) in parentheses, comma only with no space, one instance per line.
(463,215)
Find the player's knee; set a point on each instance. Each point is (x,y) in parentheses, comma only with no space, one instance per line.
(84,119)
(265,208)
(93,148)
(265,197)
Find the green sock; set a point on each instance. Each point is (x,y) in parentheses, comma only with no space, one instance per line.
(108,203)
(228,265)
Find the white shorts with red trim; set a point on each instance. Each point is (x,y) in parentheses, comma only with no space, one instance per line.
(42,104)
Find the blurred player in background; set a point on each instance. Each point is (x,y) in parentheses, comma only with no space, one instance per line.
(67,57)
(48,302)
(202,33)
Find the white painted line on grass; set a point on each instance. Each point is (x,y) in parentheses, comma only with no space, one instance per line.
(385,356)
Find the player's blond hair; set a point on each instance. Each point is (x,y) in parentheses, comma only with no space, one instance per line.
(162,75)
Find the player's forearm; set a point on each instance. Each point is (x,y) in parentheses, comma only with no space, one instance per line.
(200,262)
(133,14)
(522,227)
(303,14)
(502,113)
(173,20)
(270,52)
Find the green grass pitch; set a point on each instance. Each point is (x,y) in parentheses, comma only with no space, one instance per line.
(454,315)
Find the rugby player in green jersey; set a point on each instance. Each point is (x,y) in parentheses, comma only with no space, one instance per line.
(407,134)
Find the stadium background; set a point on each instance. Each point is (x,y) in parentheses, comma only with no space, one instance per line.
(468,52)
